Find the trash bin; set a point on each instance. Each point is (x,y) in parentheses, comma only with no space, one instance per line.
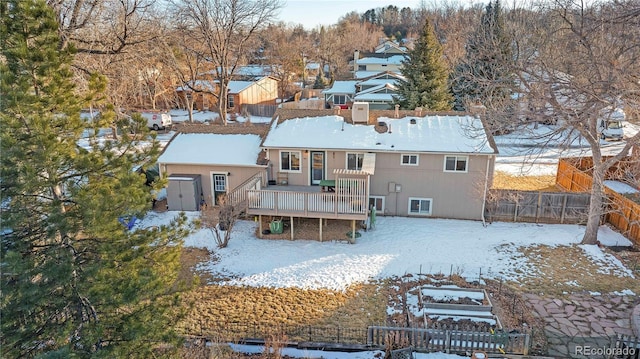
(276,226)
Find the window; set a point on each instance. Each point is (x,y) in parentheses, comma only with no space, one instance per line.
(219,183)
(290,161)
(230,101)
(420,206)
(377,202)
(455,163)
(339,99)
(409,160)
(354,161)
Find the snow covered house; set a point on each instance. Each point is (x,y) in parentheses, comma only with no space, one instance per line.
(333,166)
(202,167)
(377,90)
(374,63)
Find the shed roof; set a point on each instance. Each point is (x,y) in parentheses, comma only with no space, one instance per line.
(212,149)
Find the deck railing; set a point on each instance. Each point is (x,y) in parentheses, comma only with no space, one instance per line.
(305,203)
(238,195)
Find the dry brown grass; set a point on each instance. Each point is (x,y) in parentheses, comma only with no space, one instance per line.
(565,269)
(211,305)
(503,180)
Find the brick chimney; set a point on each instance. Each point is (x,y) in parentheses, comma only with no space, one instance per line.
(418,112)
(336,110)
(397,113)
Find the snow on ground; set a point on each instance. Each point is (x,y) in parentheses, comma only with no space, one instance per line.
(204,116)
(300,353)
(396,246)
(530,151)
(620,187)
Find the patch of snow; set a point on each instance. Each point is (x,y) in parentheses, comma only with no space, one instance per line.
(624,292)
(451,295)
(607,262)
(620,187)
(303,353)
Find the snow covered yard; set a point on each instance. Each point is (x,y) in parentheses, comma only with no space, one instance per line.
(397,246)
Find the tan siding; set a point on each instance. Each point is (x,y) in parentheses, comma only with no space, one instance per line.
(237,177)
(454,195)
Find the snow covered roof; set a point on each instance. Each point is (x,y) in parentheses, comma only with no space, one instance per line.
(377,81)
(375,94)
(375,97)
(365,74)
(396,60)
(212,149)
(203,85)
(342,87)
(448,134)
(238,86)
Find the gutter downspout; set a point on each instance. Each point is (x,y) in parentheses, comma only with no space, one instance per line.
(486,188)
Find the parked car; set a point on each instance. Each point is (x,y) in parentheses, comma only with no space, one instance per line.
(610,125)
(157,120)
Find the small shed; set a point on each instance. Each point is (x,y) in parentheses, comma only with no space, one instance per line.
(184,192)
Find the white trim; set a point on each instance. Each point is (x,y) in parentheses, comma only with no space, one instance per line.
(380,211)
(466,166)
(346,160)
(421,213)
(409,163)
(299,170)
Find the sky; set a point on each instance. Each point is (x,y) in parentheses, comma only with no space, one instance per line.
(311,13)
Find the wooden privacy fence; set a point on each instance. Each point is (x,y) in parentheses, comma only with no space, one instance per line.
(621,212)
(537,207)
(259,110)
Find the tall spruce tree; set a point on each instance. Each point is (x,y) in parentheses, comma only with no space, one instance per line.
(75,282)
(426,75)
(484,74)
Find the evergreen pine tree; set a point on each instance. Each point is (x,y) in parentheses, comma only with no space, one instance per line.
(483,75)
(75,282)
(426,75)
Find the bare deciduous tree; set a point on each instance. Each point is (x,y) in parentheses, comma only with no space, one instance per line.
(227,29)
(582,62)
(220,220)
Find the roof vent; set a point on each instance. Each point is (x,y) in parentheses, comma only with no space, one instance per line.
(412,121)
(382,123)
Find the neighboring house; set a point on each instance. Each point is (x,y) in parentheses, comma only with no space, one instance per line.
(262,91)
(374,63)
(340,94)
(378,90)
(436,165)
(390,47)
(210,165)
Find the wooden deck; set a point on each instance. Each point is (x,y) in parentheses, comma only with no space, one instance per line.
(310,203)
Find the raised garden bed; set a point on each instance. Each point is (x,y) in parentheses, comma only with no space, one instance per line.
(453,305)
